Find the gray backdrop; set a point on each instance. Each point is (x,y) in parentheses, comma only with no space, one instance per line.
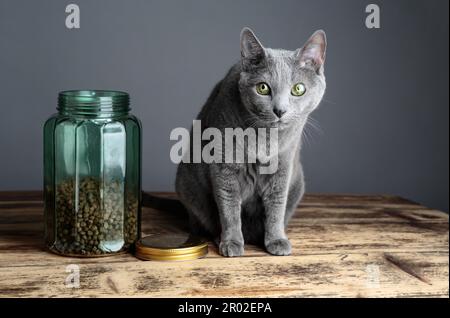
(384,120)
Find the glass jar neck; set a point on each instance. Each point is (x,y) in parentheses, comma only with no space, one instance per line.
(93,103)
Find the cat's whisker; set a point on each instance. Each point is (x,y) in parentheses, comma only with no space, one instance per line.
(251,122)
(314,124)
(328,101)
(311,128)
(306,137)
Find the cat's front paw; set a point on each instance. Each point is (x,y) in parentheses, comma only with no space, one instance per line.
(231,248)
(279,247)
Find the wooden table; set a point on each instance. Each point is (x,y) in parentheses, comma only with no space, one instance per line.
(343,246)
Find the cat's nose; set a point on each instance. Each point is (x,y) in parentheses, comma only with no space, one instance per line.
(279,112)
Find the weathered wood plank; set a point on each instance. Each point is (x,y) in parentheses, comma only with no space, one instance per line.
(331,275)
(343,246)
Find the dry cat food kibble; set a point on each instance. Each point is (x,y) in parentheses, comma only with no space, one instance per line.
(98,218)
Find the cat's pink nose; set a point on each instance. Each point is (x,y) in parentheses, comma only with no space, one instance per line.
(279,112)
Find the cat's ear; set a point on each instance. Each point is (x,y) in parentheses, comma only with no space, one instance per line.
(252,50)
(312,54)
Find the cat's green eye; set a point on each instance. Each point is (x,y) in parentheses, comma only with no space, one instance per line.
(263,89)
(298,89)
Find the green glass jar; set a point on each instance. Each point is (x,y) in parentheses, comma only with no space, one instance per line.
(92,174)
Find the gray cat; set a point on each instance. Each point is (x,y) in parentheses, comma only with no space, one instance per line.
(233,202)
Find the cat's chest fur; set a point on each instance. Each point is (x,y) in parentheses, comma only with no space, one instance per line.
(249,181)
(252,185)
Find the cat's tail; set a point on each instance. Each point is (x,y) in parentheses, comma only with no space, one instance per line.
(163,204)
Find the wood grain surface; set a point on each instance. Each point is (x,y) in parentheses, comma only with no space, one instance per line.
(343,246)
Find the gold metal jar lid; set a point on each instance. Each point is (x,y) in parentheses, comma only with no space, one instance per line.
(171,247)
